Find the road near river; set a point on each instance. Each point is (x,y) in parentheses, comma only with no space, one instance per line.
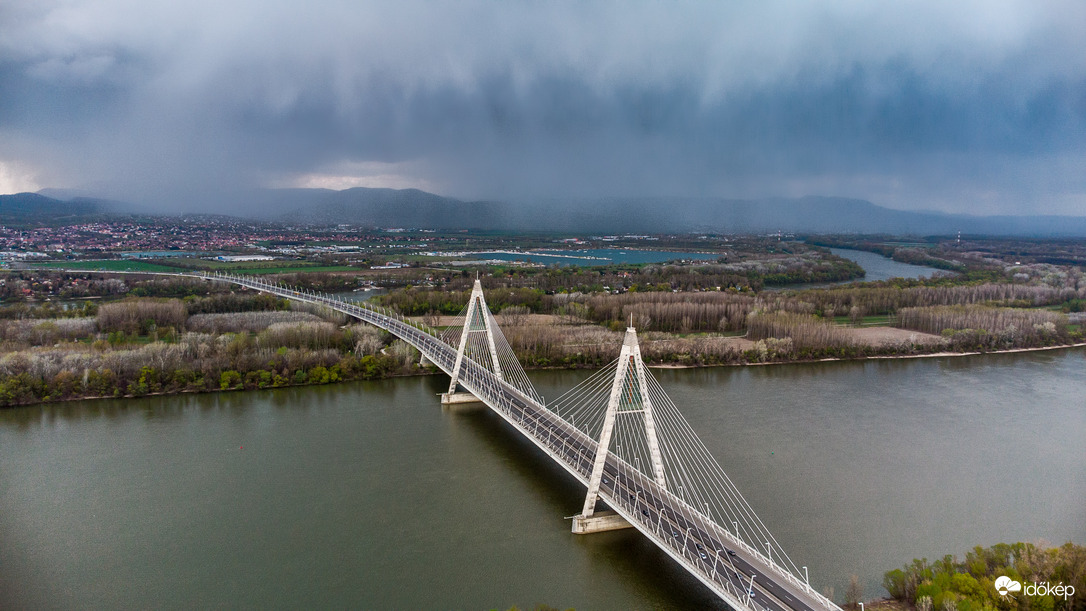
(370,495)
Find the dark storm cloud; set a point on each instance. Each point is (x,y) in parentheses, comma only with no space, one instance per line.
(972,107)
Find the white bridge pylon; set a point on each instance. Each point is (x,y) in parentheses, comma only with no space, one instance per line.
(481,340)
(629,396)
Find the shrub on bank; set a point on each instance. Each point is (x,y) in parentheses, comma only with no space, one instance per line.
(969,584)
(197,362)
(981,327)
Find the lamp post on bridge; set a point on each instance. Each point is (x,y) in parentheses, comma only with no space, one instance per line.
(686,538)
(806,579)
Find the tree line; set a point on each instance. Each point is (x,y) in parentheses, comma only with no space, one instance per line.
(981,327)
(143,346)
(730,311)
(890,299)
(950,584)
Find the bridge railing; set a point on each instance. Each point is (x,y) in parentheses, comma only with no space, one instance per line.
(710,566)
(422,335)
(500,395)
(319,298)
(485,384)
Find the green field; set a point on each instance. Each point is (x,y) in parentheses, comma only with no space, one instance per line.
(259,267)
(189,265)
(877,320)
(107,265)
(254,271)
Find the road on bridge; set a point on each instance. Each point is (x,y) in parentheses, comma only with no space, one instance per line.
(737,573)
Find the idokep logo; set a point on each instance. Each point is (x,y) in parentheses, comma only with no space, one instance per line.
(1004,584)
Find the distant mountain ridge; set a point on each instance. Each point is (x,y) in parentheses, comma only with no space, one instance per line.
(412,208)
(24,205)
(379,208)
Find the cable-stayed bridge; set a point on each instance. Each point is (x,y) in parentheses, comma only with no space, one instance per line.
(620,435)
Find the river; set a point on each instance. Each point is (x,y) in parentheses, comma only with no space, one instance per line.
(879,267)
(596,256)
(370,495)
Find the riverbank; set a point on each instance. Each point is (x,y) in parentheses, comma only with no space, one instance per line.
(885,604)
(873,358)
(1007,351)
(381,366)
(143,347)
(973,583)
(249,341)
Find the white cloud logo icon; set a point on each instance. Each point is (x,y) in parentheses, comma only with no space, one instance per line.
(1004,584)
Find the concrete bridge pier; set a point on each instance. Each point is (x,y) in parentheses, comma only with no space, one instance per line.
(600,521)
(456,398)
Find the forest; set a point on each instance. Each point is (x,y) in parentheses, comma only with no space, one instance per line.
(950,584)
(141,346)
(733,327)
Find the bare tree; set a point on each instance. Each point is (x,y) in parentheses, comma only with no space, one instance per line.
(514,316)
(854,593)
(855,315)
(432,318)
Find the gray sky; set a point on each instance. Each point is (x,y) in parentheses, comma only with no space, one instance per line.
(974,106)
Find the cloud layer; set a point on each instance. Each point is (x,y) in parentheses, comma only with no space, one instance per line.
(967,106)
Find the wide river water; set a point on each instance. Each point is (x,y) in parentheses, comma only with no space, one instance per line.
(877,266)
(371,496)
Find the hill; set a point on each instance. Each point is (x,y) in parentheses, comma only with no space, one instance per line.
(418,209)
(26,207)
(414,208)
(801,215)
(378,208)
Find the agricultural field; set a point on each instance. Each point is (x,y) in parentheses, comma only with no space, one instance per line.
(107,265)
(257,267)
(285,269)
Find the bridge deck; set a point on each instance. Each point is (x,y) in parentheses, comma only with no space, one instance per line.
(719,559)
